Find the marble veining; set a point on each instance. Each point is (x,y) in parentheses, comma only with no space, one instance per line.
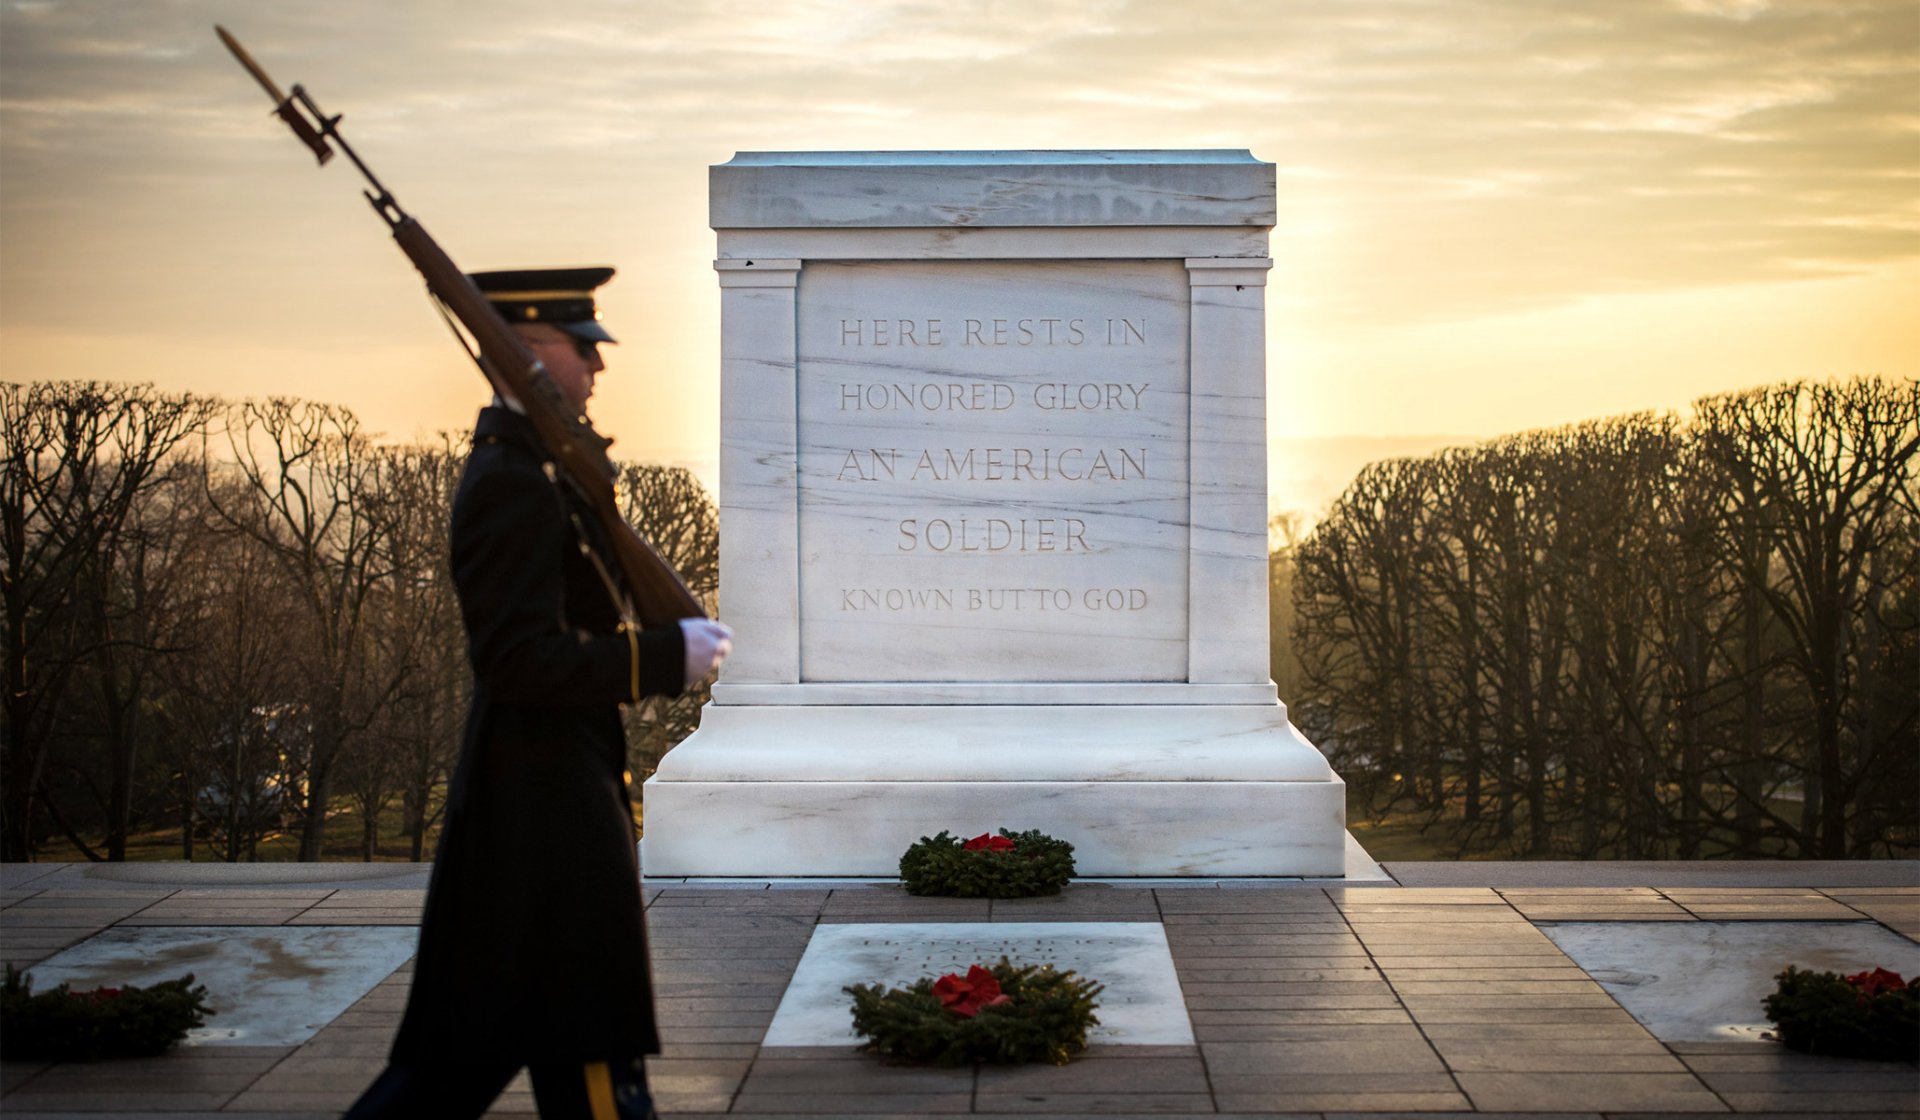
(269,985)
(995,243)
(1011,744)
(1703,981)
(1148,828)
(965,189)
(1018,694)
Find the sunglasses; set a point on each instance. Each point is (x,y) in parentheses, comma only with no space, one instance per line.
(587,348)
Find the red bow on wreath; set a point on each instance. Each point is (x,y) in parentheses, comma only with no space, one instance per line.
(1873,983)
(988,842)
(966,997)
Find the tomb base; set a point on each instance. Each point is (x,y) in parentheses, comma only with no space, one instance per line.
(1139,790)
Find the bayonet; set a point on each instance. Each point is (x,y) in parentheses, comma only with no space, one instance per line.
(283,105)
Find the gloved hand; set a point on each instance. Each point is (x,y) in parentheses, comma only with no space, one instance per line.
(708,644)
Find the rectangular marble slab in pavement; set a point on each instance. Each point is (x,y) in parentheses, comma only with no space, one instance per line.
(269,986)
(1703,981)
(1142,1004)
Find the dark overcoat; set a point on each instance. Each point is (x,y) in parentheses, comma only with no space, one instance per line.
(533,947)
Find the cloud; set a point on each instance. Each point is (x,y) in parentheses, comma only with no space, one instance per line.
(1437,160)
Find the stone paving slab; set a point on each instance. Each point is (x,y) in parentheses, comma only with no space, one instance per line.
(172,875)
(1601,1092)
(1595,904)
(1306,1000)
(1838,874)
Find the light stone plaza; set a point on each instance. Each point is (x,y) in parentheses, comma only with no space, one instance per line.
(993,521)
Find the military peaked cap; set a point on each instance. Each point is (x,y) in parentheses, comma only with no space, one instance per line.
(561,297)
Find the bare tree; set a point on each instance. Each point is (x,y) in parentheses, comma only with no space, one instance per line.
(670,508)
(1612,478)
(1355,614)
(673,512)
(1284,532)
(1455,580)
(79,458)
(143,573)
(1835,463)
(232,719)
(1638,636)
(313,503)
(418,639)
(1690,630)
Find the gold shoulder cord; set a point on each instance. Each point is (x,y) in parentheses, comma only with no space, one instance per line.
(630,629)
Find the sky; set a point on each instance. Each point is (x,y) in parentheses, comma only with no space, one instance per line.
(1492,216)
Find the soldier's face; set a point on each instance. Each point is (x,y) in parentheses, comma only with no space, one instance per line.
(571,362)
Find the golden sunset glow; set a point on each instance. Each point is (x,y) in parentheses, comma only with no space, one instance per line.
(1492,216)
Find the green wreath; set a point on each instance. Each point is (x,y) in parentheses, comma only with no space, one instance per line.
(1004,1014)
(1867,1015)
(1010,865)
(128,1022)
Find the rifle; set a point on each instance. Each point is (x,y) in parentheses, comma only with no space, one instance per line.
(658,597)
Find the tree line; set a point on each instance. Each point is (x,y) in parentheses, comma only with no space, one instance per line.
(234,620)
(1643,637)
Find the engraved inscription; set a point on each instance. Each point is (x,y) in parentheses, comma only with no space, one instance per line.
(1025,330)
(980,396)
(993,534)
(998,448)
(899,599)
(994,464)
(911,959)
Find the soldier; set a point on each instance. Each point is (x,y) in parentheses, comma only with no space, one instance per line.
(532,949)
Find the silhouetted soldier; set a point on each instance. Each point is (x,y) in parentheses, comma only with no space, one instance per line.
(533,948)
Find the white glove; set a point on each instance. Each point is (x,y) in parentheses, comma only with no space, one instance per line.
(708,644)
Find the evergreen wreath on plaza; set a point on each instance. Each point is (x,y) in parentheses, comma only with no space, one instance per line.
(128,1022)
(1010,865)
(1872,1014)
(1004,1014)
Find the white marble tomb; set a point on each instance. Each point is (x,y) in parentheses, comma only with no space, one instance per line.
(993,521)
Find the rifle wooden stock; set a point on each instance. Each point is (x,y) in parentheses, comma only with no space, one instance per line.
(660,597)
